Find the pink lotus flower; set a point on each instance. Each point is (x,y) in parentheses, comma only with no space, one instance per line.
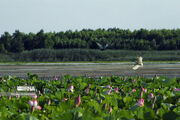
(55,78)
(31,103)
(134,80)
(38,107)
(109,92)
(110,110)
(176,89)
(25,83)
(86,91)
(71,88)
(116,89)
(3,80)
(145,90)
(34,104)
(151,96)
(133,90)
(141,102)
(108,86)
(34,96)
(78,101)
(65,99)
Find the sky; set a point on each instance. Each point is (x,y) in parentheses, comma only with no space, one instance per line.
(62,15)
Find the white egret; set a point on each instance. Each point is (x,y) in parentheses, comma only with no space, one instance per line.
(138,64)
(102,47)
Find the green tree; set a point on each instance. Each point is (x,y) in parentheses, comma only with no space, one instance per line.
(17,44)
(6,40)
(2,49)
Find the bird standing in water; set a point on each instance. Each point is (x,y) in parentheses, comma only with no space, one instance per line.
(138,64)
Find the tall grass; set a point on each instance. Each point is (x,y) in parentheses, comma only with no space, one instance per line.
(57,55)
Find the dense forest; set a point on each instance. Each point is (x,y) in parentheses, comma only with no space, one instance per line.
(162,39)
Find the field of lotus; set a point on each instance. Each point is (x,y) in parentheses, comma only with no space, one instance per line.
(85,98)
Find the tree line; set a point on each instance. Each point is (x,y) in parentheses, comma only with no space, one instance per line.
(142,39)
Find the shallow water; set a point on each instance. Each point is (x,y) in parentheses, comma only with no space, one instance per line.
(48,70)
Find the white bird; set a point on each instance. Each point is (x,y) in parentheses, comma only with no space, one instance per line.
(138,64)
(102,47)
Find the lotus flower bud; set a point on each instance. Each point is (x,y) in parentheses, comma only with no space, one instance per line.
(49,102)
(78,101)
(86,91)
(157,111)
(108,86)
(124,78)
(145,90)
(89,85)
(31,103)
(55,78)
(141,102)
(65,99)
(105,106)
(116,89)
(142,89)
(153,105)
(110,110)
(154,102)
(35,103)
(134,80)
(134,90)
(151,96)
(100,101)
(39,92)
(109,92)
(176,89)
(34,96)
(3,80)
(71,88)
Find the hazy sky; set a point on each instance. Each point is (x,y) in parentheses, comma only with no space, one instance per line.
(61,15)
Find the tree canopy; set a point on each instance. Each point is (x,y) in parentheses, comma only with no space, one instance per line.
(142,39)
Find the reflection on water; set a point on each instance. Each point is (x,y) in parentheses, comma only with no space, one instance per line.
(170,68)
